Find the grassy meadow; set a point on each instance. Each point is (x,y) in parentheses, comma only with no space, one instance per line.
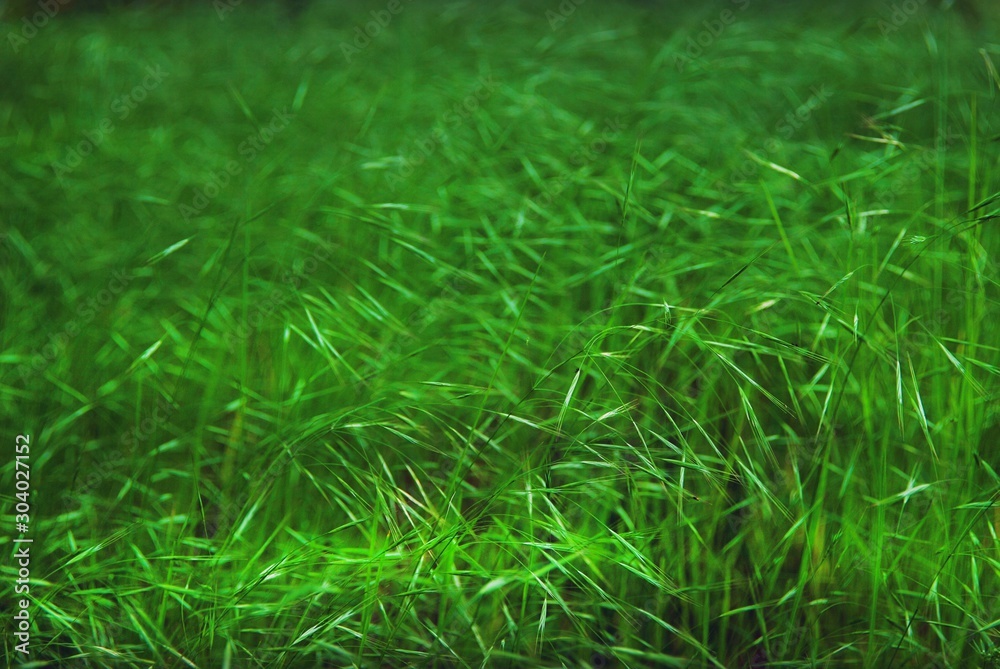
(446,334)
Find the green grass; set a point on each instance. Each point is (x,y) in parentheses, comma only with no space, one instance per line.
(623,364)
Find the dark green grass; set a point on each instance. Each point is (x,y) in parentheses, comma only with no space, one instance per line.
(623,367)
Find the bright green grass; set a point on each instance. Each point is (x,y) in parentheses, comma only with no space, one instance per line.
(694,407)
